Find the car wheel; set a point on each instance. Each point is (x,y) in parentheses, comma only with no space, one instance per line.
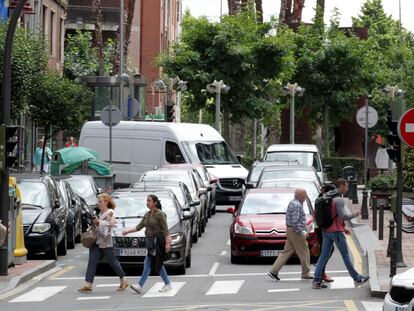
(213,211)
(53,252)
(235,259)
(195,236)
(188,259)
(200,232)
(181,268)
(71,240)
(210,213)
(63,246)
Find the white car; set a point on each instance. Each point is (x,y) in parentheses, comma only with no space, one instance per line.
(401,294)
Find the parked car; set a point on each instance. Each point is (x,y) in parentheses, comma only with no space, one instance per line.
(289,172)
(140,146)
(258,228)
(210,183)
(303,155)
(75,209)
(183,196)
(44,216)
(85,186)
(188,178)
(131,206)
(401,294)
(256,170)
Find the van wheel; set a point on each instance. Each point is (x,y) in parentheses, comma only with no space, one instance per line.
(63,246)
(53,252)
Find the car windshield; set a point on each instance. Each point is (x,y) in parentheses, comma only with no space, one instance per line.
(83,187)
(255,174)
(299,158)
(34,193)
(136,206)
(210,153)
(288,174)
(268,203)
(183,177)
(175,189)
(310,187)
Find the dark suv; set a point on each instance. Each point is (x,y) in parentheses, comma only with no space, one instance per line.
(44,217)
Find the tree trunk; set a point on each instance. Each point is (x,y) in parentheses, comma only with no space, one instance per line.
(234,6)
(117,57)
(98,18)
(259,11)
(282,13)
(297,11)
(128,27)
(320,6)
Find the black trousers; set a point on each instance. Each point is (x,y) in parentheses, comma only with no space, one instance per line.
(96,254)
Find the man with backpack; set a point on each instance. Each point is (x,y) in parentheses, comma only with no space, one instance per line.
(331,214)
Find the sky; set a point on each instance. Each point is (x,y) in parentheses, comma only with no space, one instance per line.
(347,8)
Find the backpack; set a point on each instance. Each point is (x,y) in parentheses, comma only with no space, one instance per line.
(323,211)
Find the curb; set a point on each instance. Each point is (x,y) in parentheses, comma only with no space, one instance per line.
(374,285)
(28,275)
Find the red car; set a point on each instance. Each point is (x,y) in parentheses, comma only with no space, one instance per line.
(258,228)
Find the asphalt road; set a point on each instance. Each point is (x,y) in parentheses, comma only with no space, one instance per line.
(211,284)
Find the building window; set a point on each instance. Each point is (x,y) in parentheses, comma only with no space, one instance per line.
(44,21)
(52,28)
(62,40)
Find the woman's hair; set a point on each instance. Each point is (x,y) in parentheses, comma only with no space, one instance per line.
(107,198)
(157,201)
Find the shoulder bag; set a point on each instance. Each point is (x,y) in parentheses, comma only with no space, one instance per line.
(88,238)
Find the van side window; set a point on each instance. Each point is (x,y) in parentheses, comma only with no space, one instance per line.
(315,163)
(173,153)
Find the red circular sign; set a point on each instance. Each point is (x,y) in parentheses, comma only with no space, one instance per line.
(406,128)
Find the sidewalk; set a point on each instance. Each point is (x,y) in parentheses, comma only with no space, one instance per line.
(23,273)
(376,250)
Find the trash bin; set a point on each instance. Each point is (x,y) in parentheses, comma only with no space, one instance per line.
(350,174)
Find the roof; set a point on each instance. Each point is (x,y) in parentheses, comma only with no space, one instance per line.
(302,180)
(143,192)
(271,190)
(183,131)
(266,164)
(30,176)
(292,147)
(167,172)
(288,168)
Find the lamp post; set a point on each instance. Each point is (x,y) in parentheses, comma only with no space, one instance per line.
(292,90)
(5,119)
(157,85)
(218,88)
(181,87)
(121,52)
(393,91)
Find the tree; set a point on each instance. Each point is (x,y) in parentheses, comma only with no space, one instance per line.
(28,63)
(100,47)
(245,60)
(59,104)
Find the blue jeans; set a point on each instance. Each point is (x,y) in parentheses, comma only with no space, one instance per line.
(329,238)
(147,272)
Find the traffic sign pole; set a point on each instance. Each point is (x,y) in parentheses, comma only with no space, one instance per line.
(110,116)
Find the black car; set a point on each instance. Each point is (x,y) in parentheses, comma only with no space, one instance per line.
(183,196)
(131,206)
(75,207)
(44,217)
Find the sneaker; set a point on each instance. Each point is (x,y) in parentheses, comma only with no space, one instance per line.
(362,280)
(137,288)
(166,288)
(318,285)
(273,276)
(307,277)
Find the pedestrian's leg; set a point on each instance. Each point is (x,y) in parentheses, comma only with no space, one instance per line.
(109,253)
(164,275)
(147,270)
(302,250)
(323,258)
(283,257)
(342,245)
(94,256)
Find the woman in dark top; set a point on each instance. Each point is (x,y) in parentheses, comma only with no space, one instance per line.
(155,223)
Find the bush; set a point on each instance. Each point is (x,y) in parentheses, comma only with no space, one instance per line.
(408,166)
(339,163)
(383,182)
(247,162)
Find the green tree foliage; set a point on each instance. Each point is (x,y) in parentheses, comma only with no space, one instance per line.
(28,63)
(239,51)
(81,57)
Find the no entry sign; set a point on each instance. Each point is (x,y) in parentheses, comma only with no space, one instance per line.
(406,128)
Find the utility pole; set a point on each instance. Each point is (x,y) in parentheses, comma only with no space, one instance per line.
(121,52)
(5,119)
(292,90)
(218,88)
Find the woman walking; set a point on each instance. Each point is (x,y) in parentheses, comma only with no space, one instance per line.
(158,242)
(104,244)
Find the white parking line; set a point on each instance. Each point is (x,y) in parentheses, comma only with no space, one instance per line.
(93,298)
(225,287)
(108,285)
(154,291)
(372,306)
(223,253)
(39,294)
(283,290)
(342,282)
(214,268)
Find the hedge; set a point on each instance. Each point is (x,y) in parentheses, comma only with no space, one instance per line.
(339,163)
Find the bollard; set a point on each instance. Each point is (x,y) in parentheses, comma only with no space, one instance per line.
(381,222)
(391,237)
(354,185)
(364,207)
(374,213)
(394,258)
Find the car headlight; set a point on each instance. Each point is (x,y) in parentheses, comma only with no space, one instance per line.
(176,238)
(41,228)
(242,230)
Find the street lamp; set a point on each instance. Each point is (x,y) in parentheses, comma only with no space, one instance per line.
(292,90)
(181,87)
(218,88)
(395,112)
(157,85)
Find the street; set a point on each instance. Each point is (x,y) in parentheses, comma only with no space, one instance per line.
(212,283)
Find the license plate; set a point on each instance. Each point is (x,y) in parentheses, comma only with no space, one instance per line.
(133,252)
(269,253)
(234,198)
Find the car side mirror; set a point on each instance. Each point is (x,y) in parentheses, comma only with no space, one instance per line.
(187,215)
(56,204)
(202,191)
(231,210)
(328,168)
(194,203)
(249,186)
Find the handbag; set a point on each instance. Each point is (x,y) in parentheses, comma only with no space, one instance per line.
(315,250)
(88,238)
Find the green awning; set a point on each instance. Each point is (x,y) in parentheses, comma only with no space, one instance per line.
(74,155)
(101,167)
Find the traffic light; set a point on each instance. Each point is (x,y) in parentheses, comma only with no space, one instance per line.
(394,151)
(170,113)
(8,142)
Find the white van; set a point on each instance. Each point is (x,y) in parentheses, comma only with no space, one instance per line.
(140,146)
(299,154)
